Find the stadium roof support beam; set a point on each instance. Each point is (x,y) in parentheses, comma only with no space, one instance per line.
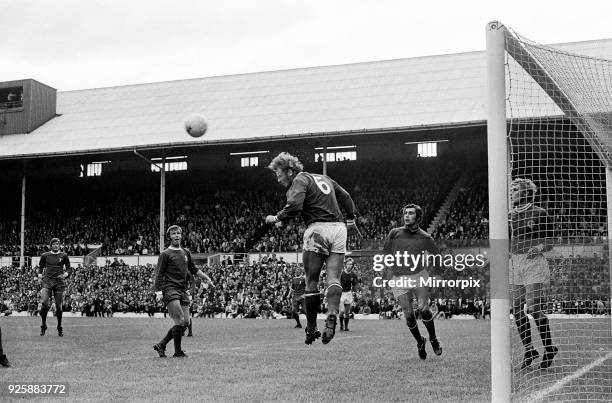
(22,225)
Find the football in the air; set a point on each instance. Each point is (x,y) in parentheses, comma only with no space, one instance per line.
(196,125)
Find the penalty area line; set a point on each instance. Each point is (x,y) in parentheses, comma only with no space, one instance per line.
(538,396)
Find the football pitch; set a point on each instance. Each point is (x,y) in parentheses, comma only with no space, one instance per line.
(105,359)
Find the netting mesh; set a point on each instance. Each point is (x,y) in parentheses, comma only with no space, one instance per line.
(560,137)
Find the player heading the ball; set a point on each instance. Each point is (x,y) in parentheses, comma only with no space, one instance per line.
(318,198)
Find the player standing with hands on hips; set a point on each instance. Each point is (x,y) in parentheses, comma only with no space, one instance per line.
(170,284)
(318,198)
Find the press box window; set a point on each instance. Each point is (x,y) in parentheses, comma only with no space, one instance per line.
(337,156)
(11,98)
(92,169)
(249,162)
(427,150)
(171,166)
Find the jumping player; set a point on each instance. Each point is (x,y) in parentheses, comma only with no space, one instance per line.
(318,198)
(531,234)
(3,360)
(348,281)
(170,285)
(412,239)
(298,288)
(53,269)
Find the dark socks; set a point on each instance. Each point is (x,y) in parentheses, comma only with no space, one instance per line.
(1,351)
(414,328)
(190,328)
(311,303)
(167,337)
(524,329)
(427,318)
(177,334)
(59,313)
(296,316)
(43,314)
(346,320)
(544,328)
(334,292)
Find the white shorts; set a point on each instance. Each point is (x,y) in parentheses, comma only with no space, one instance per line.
(346,298)
(525,271)
(325,238)
(397,291)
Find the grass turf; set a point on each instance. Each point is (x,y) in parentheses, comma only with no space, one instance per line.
(106,359)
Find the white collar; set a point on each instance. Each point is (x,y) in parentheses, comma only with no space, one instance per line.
(174,248)
(520,209)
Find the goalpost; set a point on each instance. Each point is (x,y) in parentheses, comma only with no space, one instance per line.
(550,121)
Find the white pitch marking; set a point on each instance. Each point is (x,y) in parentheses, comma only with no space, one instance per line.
(536,397)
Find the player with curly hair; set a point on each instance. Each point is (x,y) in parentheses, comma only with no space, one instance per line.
(318,198)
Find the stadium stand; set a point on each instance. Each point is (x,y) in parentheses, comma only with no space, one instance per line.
(121,213)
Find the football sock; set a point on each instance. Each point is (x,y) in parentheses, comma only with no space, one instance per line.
(59,313)
(311,304)
(190,327)
(524,329)
(167,337)
(43,313)
(177,334)
(346,320)
(414,328)
(334,292)
(296,316)
(1,351)
(427,318)
(544,329)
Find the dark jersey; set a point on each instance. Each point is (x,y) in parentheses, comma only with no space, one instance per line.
(348,281)
(298,286)
(316,197)
(52,264)
(416,244)
(173,267)
(529,226)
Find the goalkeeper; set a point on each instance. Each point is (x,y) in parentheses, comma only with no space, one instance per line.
(531,232)
(171,286)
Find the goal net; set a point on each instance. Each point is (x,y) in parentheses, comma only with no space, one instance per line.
(559,142)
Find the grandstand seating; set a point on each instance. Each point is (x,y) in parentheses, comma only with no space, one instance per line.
(219,211)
